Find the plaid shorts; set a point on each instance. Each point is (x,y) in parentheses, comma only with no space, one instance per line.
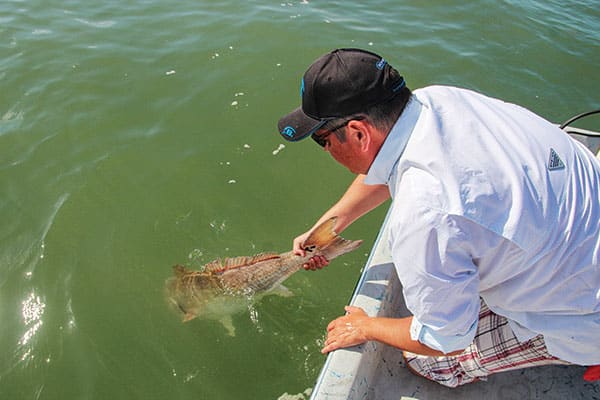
(494,349)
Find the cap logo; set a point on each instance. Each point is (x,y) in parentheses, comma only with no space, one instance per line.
(399,86)
(302,88)
(381,64)
(288,131)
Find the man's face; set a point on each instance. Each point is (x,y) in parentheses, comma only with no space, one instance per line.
(345,151)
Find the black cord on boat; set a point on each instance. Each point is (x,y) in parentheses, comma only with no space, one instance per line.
(579,116)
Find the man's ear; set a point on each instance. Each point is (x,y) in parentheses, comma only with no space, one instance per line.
(361,132)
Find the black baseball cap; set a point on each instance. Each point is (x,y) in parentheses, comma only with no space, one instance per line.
(339,84)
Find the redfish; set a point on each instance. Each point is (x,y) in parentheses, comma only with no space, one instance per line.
(224,287)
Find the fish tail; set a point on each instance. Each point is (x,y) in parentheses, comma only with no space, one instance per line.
(324,236)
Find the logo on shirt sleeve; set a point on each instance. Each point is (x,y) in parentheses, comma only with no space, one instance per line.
(554,162)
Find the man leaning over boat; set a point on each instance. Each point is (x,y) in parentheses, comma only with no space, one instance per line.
(494,223)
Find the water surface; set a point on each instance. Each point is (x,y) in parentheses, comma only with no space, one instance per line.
(137,135)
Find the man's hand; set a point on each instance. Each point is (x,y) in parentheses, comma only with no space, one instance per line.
(356,327)
(316,262)
(349,330)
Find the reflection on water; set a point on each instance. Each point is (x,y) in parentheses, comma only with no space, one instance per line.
(32,312)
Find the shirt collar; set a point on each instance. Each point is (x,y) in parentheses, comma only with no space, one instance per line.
(382,167)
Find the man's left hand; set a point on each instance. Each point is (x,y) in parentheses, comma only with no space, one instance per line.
(348,330)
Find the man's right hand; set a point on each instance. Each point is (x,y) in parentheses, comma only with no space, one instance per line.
(316,262)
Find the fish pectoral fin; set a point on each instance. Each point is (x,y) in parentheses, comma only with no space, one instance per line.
(282,291)
(227,323)
(188,317)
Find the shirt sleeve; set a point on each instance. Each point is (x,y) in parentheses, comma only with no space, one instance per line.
(445,344)
(439,278)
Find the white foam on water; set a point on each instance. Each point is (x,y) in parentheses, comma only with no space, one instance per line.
(300,396)
(96,24)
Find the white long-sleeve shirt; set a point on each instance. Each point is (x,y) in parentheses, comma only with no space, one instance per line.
(492,201)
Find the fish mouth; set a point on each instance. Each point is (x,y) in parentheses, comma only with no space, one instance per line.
(180,309)
(172,298)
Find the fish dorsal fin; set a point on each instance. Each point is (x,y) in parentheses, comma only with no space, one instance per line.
(322,236)
(214,266)
(264,257)
(229,263)
(234,262)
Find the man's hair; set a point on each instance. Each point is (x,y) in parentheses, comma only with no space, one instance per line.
(383,115)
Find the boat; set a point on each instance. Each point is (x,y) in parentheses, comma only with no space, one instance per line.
(377,371)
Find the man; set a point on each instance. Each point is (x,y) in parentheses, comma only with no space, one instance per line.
(494,223)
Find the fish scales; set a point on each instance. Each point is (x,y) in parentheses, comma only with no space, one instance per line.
(264,276)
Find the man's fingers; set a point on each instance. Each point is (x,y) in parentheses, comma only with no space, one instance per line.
(316,262)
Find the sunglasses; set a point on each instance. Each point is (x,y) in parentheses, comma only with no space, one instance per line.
(322,139)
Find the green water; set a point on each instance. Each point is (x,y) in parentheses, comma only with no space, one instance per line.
(137,135)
